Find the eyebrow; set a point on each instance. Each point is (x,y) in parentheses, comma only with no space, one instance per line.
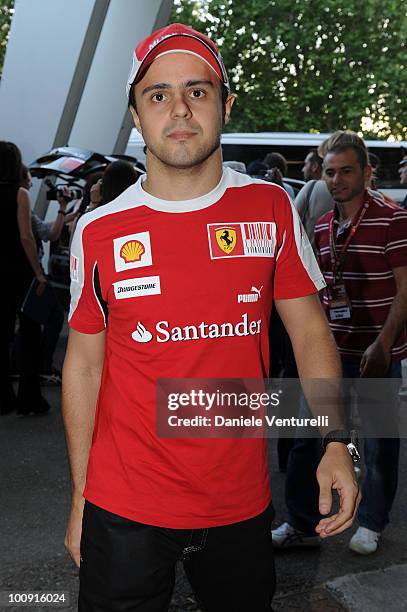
(349,167)
(191,83)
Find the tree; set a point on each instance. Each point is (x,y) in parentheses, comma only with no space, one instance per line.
(6,13)
(310,65)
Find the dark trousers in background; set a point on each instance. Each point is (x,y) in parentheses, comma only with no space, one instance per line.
(29,393)
(50,335)
(30,342)
(128,566)
(381,474)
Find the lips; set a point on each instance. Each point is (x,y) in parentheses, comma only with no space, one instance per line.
(181,135)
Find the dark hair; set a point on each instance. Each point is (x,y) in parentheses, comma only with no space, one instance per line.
(374,161)
(224,94)
(276,160)
(361,153)
(91,180)
(131,102)
(315,158)
(10,163)
(257,168)
(117,177)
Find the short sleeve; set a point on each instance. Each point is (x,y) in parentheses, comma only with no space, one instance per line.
(396,246)
(86,313)
(296,273)
(41,230)
(301,200)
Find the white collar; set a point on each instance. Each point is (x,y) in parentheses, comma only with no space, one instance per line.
(178,206)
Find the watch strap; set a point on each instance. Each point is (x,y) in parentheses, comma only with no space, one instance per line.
(336,435)
(349,438)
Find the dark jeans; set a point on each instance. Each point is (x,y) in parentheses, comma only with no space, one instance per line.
(128,566)
(50,336)
(29,391)
(379,484)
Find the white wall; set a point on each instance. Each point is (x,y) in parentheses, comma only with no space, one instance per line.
(103,104)
(65,72)
(45,42)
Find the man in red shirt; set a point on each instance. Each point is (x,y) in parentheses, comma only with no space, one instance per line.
(176,278)
(362,248)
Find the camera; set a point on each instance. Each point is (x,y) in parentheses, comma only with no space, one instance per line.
(55,191)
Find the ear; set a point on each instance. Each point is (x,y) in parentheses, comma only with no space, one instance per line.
(228,107)
(135,119)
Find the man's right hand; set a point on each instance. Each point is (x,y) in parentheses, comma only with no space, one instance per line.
(64,197)
(73,533)
(336,471)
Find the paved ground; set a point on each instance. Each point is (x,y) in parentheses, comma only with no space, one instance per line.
(34,505)
(375,591)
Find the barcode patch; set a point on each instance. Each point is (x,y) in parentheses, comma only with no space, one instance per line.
(259,238)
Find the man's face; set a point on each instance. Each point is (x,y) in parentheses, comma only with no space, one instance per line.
(344,176)
(403,174)
(309,169)
(179,110)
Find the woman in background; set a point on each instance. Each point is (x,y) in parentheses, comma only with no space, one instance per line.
(20,267)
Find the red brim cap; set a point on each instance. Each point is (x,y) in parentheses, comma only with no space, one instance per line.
(175,38)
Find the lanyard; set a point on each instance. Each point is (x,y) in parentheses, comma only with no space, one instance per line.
(338,260)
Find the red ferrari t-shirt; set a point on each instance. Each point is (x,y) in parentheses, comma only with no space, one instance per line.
(166,280)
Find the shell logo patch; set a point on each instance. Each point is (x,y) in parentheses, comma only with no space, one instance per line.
(248,239)
(132,251)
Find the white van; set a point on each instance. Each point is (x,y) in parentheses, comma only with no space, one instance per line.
(295,146)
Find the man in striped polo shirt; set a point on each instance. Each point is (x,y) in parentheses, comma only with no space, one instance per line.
(362,248)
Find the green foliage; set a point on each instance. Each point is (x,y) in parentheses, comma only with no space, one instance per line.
(310,65)
(6,13)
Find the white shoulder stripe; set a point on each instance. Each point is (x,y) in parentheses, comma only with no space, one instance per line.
(305,251)
(125,201)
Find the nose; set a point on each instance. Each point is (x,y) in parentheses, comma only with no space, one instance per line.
(180,107)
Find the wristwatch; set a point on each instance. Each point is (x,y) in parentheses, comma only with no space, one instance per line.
(350,438)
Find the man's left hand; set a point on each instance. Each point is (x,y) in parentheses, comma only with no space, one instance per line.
(375,362)
(335,471)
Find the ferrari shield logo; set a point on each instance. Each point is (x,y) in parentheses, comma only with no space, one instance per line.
(226,239)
